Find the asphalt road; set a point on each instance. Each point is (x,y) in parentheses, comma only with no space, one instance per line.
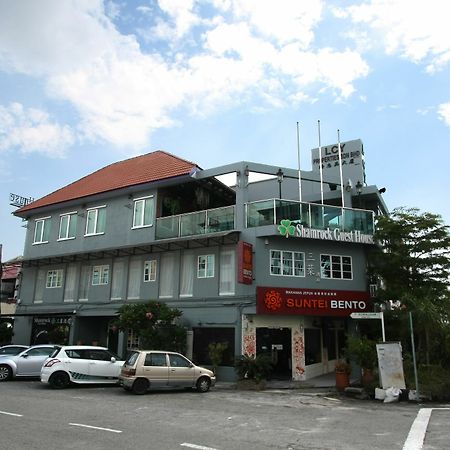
(34,416)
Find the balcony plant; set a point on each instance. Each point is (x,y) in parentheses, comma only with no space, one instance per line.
(253,371)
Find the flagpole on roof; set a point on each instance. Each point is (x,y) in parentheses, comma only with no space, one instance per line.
(340,168)
(299,171)
(320,164)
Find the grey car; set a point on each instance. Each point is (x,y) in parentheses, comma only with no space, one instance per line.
(27,363)
(12,349)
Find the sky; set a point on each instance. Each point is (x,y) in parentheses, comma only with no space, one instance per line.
(85,83)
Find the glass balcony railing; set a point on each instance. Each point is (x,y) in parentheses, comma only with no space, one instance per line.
(311,215)
(200,222)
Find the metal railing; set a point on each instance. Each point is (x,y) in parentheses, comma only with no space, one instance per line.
(196,223)
(311,215)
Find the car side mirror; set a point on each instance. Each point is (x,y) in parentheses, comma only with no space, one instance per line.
(25,356)
(113,360)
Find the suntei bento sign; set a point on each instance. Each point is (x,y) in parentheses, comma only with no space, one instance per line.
(317,302)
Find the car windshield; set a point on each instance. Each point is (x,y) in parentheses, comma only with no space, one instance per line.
(131,358)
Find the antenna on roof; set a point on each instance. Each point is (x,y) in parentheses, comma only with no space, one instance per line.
(299,172)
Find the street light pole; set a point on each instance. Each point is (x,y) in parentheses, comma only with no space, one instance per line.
(280,177)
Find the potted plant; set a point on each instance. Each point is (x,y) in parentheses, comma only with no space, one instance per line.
(215,353)
(253,371)
(363,351)
(342,371)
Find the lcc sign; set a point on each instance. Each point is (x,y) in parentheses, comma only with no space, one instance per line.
(316,302)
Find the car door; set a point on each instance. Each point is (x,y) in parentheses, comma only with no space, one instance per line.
(181,371)
(155,368)
(30,362)
(101,367)
(77,363)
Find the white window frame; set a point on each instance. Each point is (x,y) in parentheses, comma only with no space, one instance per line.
(139,222)
(103,275)
(54,278)
(70,216)
(88,212)
(282,259)
(150,267)
(341,270)
(203,266)
(231,273)
(44,221)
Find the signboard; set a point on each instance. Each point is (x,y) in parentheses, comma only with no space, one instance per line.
(352,157)
(366,315)
(390,363)
(316,302)
(19,201)
(245,262)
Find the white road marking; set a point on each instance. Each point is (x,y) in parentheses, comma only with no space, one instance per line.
(198,447)
(11,414)
(416,435)
(95,428)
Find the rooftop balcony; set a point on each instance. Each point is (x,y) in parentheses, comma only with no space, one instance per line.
(311,215)
(266,212)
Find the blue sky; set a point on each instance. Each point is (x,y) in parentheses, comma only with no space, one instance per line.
(85,83)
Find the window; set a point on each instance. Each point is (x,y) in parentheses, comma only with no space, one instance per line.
(134,278)
(41,230)
(100,275)
(205,266)
(336,267)
(85,281)
(287,263)
(203,336)
(54,278)
(143,212)
(117,283)
(40,285)
(227,272)
(155,359)
(150,270)
(178,361)
(69,285)
(95,221)
(187,274)
(313,346)
(67,226)
(167,275)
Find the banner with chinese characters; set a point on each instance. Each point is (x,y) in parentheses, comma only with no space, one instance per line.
(245,262)
(316,302)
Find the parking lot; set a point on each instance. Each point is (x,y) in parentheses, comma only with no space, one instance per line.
(34,416)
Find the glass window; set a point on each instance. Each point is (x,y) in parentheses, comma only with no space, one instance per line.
(150,270)
(117,279)
(54,278)
(313,346)
(167,275)
(95,220)
(69,285)
(155,359)
(336,267)
(41,230)
(287,263)
(178,361)
(134,278)
(205,266)
(143,212)
(85,281)
(100,275)
(203,336)
(187,274)
(67,226)
(227,272)
(40,285)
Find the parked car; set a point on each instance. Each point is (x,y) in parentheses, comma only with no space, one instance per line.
(27,363)
(81,364)
(12,349)
(151,369)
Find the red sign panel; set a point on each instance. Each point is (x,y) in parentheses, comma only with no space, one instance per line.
(316,302)
(245,262)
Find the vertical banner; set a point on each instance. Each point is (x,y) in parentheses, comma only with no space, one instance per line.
(245,262)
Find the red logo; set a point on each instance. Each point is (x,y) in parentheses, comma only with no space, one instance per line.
(272,300)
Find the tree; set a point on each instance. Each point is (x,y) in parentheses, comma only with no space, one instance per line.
(413,262)
(155,325)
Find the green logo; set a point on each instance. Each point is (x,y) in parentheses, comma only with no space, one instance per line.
(286,228)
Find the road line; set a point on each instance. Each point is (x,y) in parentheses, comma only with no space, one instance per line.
(95,428)
(11,414)
(198,447)
(416,435)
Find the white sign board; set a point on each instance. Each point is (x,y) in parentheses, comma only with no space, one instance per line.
(390,363)
(366,315)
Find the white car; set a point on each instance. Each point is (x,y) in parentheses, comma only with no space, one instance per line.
(81,364)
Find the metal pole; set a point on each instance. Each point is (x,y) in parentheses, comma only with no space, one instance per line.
(299,172)
(382,326)
(320,164)
(340,168)
(416,378)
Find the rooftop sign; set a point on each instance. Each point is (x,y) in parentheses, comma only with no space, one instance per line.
(18,201)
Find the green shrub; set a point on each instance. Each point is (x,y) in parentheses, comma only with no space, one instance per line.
(254,367)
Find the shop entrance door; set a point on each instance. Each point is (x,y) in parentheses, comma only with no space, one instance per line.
(276,342)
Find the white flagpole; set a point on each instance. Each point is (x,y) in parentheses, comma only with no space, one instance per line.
(299,172)
(340,168)
(320,164)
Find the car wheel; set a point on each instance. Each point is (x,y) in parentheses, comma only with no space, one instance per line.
(59,380)
(140,386)
(5,372)
(203,384)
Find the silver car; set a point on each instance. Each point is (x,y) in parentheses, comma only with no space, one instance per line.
(12,349)
(27,363)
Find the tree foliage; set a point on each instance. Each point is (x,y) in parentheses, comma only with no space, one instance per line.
(155,325)
(413,262)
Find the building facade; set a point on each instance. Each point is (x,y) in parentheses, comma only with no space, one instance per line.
(272,266)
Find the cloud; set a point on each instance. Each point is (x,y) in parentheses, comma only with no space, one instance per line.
(239,51)
(444,113)
(31,130)
(418,31)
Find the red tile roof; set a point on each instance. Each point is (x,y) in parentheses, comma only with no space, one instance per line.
(153,166)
